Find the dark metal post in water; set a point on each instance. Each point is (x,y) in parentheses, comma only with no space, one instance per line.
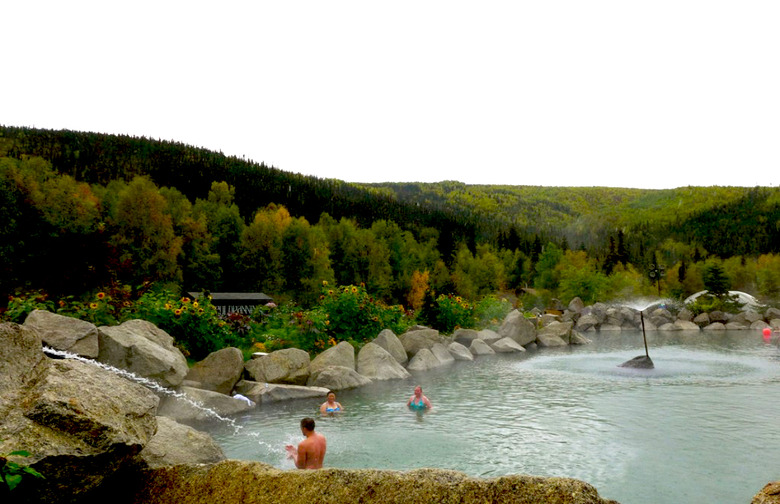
(642,361)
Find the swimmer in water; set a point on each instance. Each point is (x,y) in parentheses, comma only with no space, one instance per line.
(331,407)
(418,402)
(311,451)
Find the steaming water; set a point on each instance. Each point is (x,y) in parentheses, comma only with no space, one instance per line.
(701,427)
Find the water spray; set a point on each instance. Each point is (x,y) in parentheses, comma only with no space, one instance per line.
(150,384)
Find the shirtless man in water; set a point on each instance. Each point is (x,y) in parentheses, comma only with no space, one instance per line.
(311,451)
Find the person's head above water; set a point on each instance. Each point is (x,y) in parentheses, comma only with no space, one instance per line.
(331,396)
(308,424)
(418,390)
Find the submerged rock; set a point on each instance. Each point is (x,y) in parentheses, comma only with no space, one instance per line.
(640,362)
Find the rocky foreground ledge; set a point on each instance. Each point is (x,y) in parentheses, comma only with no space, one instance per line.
(256,483)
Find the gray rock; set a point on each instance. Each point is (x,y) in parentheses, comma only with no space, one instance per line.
(702,319)
(262,393)
(414,341)
(579,339)
(506,345)
(342,355)
(460,352)
(290,366)
(576,305)
(174,443)
(441,353)
(337,378)
(143,349)
(378,364)
(719,316)
(685,325)
(480,347)
(550,340)
(390,342)
(65,333)
(517,327)
(199,405)
(80,422)
(715,326)
(759,325)
(488,336)
(423,360)
(465,336)
(587,322)
(685,314)
(219,371)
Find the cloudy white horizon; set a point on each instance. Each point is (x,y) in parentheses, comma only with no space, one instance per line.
(562,93)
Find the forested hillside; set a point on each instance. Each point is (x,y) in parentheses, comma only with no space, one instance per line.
(83,210)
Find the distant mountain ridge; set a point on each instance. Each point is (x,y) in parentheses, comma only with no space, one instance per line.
(724,220)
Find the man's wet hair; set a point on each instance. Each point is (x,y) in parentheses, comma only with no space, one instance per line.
(307,423)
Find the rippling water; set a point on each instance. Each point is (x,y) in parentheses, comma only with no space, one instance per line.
(701,427)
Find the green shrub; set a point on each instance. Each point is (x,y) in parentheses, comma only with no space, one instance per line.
(288,326)
(11,473)
(20,305)
(448,313)
(707,303)
(100,309)
(195,325)
(491,311)
(350,314)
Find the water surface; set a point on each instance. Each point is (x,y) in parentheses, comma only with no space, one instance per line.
(701,427)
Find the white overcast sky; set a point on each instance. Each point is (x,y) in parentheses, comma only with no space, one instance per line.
(621,93)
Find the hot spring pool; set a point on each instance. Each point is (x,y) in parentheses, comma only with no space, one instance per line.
(698,428)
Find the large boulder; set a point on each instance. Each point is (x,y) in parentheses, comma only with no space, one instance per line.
(555,334)
(378,364)
(772,313)
(337,378)
(262,393)
(576,305)
(65,333)
(702,319)
(143,349)
(506,345)
(198,405)
(517,327)
(290,366)
(219,371)
(342,355)
(465,336)
(80,422)
(460,352)
(442,354)
(175,443)
(488,336)
(237,481)
(587,322)
(390,342)
(480,347)
(686,325)
(423,360)
(22,364)
(414,341)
